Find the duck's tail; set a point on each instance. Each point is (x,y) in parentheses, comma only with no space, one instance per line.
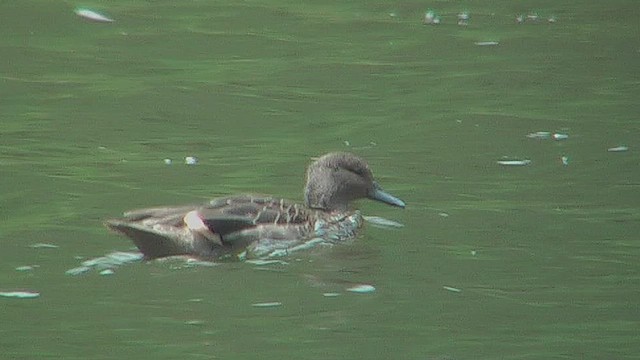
(151,242)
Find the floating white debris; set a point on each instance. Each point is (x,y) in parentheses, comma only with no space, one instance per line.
(514,162)
(107,272)
(20,294)
(267,304)
(382,222)
(463,18)
(474,253)
(91,15)
(24,268)
(123,257)
(539,135)
(487,43)
(266,249)
(331,294)
(190,160)
(43,246)
(278,253)
(552,19)
(195,262)
(565,160)
(449,288)
(113,259)
(107,262)
(532,17)
(520,19)
(261,262)
(99,261)
(77,270)
(194,322)
(618,149)
(430,18)
(167,161)
(362,289)
(443,214)
(560,136)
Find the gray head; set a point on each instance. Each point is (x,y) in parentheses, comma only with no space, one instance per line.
(335,179)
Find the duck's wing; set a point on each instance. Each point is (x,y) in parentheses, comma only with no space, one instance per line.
(220,226)
(244,219)
(231,214)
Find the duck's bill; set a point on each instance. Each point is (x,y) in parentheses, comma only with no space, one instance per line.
(380,195)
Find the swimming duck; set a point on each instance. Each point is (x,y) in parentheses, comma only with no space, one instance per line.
(228,226)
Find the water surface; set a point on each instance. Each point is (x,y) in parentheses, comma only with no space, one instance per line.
(531,262)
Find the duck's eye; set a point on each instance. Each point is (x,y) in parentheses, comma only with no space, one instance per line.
(359,171)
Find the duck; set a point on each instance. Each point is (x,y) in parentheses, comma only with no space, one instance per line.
(237,225)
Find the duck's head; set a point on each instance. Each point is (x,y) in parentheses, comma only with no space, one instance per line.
(336,179)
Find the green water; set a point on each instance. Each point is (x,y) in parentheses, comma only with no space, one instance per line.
(545,256)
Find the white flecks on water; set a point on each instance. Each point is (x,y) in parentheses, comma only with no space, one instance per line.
(474,253)
(382,222)
(190,160)
(261,262)
(430,18)
(20,294)
(463,18)
(443,214)
(194,322)
(43,246)
(167,161)
(77,270)
(107,262)
(486,43)
(122,257)
(267,304)
(268,249)
(452,289)
(542,135)
(621,148)
(514,162)
(331,294)
(92,15)
(560,136)
(533,18)
(362,289)
(195,262)
(565,160)
(24,268)
(107,272)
